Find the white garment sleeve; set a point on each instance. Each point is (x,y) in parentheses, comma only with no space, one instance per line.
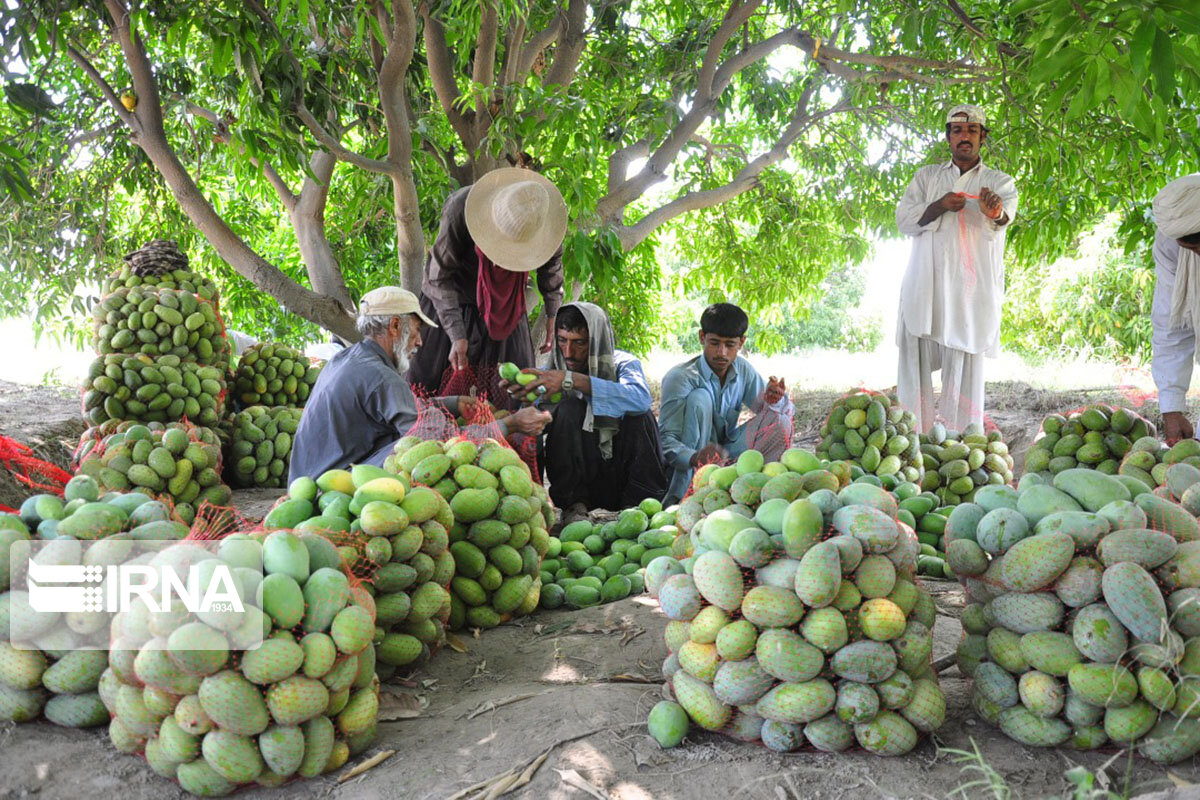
(912,206)
(1174,349)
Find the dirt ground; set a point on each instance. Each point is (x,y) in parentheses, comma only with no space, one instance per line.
(577,686)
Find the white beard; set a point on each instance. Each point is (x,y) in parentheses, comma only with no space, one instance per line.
(403,354)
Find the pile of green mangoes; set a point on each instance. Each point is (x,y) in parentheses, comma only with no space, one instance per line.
(499,533)
(1098,437)
(182,279)
(260,445)
(176,461)
(1149,458)
(145,389)
(1081,623)
(395,538)
(213,711)
(589,564)
(273,374)
(51,663)
(956,465)
(159,322)
(798,622)
(874,431)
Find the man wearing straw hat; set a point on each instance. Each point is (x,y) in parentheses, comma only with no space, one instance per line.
(493,234)
(361,404)
(1176,308)
(957,212)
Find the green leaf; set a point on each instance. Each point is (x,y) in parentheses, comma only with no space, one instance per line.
(1139,48)
(1162,65)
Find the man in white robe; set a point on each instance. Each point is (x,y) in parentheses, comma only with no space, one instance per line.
(1176,300)
(957,213)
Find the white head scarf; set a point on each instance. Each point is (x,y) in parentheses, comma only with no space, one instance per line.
(1177,214)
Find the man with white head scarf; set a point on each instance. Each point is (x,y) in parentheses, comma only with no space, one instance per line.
(1176,306)
(957,212)
(603,448)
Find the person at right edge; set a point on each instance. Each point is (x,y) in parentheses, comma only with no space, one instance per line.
(957,212)
(1176,306)
(493,234)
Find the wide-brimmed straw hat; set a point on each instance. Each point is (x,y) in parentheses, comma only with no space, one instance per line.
(516,217)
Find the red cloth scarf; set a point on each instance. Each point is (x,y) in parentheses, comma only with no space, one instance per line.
(500,295)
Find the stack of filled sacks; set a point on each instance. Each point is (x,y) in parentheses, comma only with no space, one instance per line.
(592,563)
(162,344)
(208,708)
(1097,437)
(500,519)
(260,445)
(874,431)
(51,663)
(797,620)
(178,462)
(1149,458)
(957,465)
(273,374)
(395,537)
(1082,616)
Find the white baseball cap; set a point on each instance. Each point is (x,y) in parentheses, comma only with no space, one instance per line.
(967,113)
(392,300)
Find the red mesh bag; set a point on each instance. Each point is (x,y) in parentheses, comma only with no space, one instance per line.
(178,461)
(800,624)
(1081,595)
(30,470)
(212,710)
(1097,437)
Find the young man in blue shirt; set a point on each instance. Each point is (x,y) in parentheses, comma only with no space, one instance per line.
(602,448)
(703,397)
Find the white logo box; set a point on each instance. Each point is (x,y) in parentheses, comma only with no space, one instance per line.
(77,595)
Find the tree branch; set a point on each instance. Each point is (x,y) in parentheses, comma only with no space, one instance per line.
(225,136)
(91,136)
(514,39)
(737,16)
(391,86)
(570,46)
(331,144)
(618,162)
(745,179)
(1003,47)
(441,75)
(537,43)
(483,71)
(151,138)
(107,91)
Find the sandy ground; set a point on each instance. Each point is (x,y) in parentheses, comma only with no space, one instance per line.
(578,686)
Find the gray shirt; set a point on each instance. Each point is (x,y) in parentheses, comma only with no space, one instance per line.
(358,408)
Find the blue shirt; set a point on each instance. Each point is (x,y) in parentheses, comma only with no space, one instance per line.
(358,408)
(743,387)
(628,394)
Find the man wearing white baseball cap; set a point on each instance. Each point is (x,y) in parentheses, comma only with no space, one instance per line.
(493,234)
(361,403)
(1176,309)
(957,212)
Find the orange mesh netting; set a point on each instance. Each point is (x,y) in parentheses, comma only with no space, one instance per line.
(30,470)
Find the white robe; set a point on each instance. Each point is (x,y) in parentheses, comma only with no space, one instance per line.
(946,297)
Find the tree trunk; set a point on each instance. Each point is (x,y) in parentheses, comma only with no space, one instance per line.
(410,239)
(308,221)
